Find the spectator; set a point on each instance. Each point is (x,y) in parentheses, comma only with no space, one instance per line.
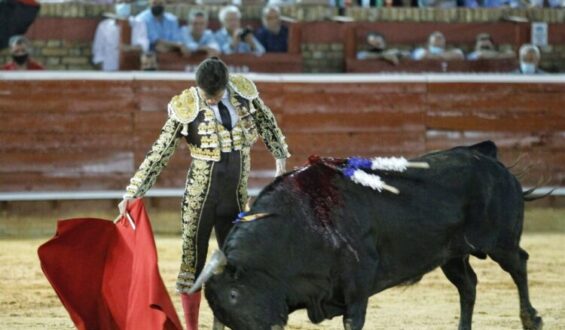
(197,37)
(529,60)
(513,3)
(19,51)
(378,50)
(437,3)
(525,3)
(385,3)
(232,38)
(369,3)
(107,40)
(162,28)
(436,49)
(149,62)
(273,35)
(486,3)
(281,3)
(485,49)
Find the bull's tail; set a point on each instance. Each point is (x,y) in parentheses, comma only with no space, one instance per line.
(516,162)
(527,195)
(520,169)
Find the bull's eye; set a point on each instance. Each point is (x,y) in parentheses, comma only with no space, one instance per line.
(234,295)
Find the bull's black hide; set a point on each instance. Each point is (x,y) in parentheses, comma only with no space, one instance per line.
(329,244)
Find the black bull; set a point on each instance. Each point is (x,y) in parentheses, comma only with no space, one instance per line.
(328,243)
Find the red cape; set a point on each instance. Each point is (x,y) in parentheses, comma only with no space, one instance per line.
(106,274)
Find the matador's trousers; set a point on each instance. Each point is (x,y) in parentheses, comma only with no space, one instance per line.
(215,193)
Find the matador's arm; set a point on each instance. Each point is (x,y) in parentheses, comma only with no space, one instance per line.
(182,110)
(269,130)
(155,160)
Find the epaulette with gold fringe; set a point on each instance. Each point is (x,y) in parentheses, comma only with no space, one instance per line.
(243,86)
(184,108)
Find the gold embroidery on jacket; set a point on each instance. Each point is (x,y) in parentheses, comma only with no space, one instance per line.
(245,125)
(269,131)
(204,154)
(243,86)
(244,177)
(209,141)
(185,107)
(155,160)
(225,139)
(206,127)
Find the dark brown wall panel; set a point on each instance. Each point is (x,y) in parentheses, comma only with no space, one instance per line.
(88,135)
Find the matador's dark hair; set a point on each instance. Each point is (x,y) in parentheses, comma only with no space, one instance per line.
(212,75)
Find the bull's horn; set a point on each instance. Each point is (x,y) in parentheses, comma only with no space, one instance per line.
(277,327)
(215,266)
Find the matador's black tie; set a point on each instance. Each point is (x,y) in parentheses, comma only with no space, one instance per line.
(225,115)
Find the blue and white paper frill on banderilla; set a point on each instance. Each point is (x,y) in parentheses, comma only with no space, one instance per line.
(357,166)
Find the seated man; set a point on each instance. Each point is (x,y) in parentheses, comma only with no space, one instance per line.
(484,49)
(273,35)
(437,3)
(436,50)
(162,28)
(281,2)
(107,44)
(377,50)
(232,38)
(529,60)
(148,62)
(19,51)
(197,37)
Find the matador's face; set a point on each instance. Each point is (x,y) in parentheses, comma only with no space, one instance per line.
(212,99)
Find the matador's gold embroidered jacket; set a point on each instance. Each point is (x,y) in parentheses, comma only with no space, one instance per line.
(189,116)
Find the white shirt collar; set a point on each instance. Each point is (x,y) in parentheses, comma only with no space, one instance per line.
(226,96)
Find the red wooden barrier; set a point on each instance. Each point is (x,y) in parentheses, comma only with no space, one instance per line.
(92,134)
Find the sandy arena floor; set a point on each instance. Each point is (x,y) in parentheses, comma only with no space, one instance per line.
(28,302)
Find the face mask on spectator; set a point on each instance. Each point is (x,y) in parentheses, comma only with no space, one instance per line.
(157,10)
(527,68)
(123,9)
(435,50)
(20,59)
(378,49)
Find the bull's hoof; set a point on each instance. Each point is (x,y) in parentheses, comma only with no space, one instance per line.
(535,323)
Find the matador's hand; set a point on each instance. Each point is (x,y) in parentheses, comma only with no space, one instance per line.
(281,167)
(123,206)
